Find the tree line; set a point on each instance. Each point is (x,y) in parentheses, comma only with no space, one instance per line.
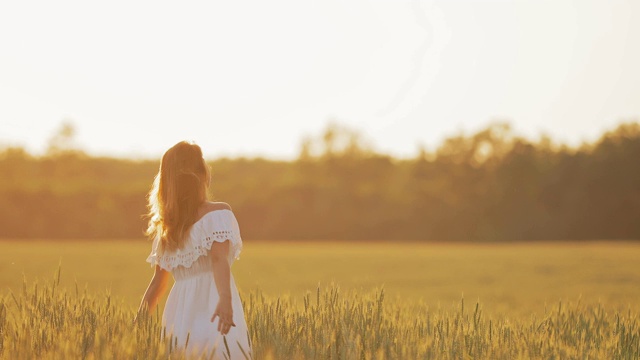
(487,186)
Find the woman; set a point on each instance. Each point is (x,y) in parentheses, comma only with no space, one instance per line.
(196,241)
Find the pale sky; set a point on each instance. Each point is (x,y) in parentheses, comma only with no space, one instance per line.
(253,78)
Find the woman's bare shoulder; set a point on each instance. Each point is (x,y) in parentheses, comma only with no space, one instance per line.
(212,206)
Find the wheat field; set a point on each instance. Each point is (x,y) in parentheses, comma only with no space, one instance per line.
(338,300)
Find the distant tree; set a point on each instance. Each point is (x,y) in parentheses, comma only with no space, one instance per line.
(335,141)
(63,141)
(489,185)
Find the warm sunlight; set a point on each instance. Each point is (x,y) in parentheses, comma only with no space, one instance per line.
(252,78)
(335,179)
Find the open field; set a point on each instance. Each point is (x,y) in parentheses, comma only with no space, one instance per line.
(533,301)
(510,279)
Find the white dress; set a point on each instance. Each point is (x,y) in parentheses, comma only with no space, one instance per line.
(194,296)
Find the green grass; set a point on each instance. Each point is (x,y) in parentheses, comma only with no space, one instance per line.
(321,300)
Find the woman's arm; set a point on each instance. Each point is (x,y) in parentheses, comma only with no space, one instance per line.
(157,287)
(222,277)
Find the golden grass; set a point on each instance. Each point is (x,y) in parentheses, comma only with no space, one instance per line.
(494,301)
(47,322)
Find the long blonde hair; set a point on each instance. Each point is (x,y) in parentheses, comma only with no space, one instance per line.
(178,190)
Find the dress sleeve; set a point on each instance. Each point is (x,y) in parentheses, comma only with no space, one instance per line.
(220,226)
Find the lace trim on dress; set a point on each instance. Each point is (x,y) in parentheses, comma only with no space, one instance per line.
(186,259)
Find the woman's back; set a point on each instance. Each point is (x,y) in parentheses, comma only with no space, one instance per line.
(196,241)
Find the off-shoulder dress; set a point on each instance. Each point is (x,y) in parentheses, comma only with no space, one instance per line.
(194,296)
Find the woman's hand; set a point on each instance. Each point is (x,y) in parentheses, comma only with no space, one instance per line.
(156,289)
(224,312)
